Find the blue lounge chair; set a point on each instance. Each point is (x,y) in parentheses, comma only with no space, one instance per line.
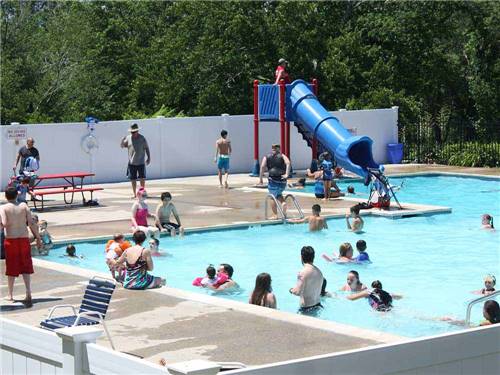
(92,310)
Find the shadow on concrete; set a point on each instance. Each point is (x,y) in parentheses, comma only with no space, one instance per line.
(20,305)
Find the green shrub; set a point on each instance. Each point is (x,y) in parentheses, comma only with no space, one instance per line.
(470,154)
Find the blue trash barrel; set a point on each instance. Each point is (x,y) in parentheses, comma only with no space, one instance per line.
(395,152)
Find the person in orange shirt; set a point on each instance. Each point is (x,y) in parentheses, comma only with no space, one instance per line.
(114,249)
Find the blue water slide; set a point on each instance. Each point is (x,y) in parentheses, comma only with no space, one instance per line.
(354,153)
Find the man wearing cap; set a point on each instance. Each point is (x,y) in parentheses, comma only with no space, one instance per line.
(278,166)
(281,73)
(138,149)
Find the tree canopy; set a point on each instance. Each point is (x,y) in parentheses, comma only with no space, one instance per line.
(61,61)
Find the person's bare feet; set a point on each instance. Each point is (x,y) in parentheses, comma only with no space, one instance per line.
(162,362)
(226,185)
(27,302)
(274,217)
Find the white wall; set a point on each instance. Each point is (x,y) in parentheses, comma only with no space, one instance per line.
(180,146)
(471,352)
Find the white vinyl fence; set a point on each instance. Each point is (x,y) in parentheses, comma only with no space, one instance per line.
(179,146)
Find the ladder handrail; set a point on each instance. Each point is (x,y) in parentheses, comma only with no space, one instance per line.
(296,204)
(278,207)
(477,300)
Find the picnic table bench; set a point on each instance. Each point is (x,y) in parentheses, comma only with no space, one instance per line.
(73,183)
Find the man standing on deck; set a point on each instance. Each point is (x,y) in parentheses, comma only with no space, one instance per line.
(278,166)
(24,153)
(14,219)
(309,283)
(222,153)
(138,149)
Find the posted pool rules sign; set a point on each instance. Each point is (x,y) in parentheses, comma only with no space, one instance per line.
(16,134)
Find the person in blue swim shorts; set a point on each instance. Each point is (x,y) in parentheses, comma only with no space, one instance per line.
(278,166)
(222,153)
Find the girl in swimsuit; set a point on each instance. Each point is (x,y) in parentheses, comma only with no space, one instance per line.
(140,215)
(138,262)
(262,294)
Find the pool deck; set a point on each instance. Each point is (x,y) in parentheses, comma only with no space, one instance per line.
(180,325)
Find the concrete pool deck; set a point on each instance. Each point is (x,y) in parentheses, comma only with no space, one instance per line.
(178,325)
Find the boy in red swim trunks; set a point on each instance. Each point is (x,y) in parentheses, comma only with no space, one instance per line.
(14,219)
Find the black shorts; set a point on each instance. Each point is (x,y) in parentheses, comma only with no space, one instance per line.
(135,172)
(169,226)
(319,195)
(311,309)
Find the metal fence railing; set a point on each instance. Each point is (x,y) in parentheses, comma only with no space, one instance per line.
(459,143)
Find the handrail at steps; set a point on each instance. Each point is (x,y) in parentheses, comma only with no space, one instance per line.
(279,209)
(477,300)
(296,204)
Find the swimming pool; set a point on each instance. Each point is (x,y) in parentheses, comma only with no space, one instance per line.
(434,261)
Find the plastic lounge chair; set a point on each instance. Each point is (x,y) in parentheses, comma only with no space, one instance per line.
(92,310)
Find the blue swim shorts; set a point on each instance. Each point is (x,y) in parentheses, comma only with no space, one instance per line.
(276,187)
(223,163)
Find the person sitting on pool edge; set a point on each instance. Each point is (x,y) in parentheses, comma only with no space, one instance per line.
(309,283)
(357,223)
(378,298)
(228,270)
(487,222)
(262,294)
(489,285)
(278,166)
(163,212)
(140,215)
(138,262)
(299,185)
(316,222)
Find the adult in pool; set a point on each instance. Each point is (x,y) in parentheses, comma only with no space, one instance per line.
(353,283)
(491,314)
(262,294)
(309,283)
(227,270)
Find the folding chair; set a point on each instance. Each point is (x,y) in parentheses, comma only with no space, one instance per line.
(92,310)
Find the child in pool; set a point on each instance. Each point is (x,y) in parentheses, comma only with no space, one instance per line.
(363,255)
(114,249)
(211,278)
(45,236)
(487,222)
(489,285)
(71,252)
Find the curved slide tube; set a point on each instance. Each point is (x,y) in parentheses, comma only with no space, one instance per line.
(353,153)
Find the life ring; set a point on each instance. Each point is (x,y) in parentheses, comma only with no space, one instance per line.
(89,144)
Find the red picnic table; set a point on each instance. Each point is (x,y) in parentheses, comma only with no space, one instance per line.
(73,183)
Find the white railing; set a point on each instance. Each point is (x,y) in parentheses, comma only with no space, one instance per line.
(277,204)
(477,300)
(296,204)
(32,351)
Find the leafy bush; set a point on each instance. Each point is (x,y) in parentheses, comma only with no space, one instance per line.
(470,154)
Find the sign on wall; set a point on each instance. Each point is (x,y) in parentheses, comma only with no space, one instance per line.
(16,134)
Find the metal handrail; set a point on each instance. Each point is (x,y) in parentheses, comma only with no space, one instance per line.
(477,300)
(296,204)
(279,209)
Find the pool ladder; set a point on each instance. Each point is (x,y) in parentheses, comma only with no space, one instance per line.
(477,300)
(279,209)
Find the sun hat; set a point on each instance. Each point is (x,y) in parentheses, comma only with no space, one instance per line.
(134,128)
(282,60)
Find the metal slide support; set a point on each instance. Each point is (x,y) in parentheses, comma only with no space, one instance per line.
(477,300)
(279,209)
(296,204)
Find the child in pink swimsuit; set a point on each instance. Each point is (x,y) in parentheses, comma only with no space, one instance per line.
(140,214)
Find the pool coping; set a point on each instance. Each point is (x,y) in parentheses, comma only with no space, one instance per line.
(264,312)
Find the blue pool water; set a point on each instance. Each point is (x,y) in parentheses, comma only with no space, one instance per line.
(434,261)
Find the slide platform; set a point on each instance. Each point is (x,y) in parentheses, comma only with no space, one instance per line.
(353,153)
